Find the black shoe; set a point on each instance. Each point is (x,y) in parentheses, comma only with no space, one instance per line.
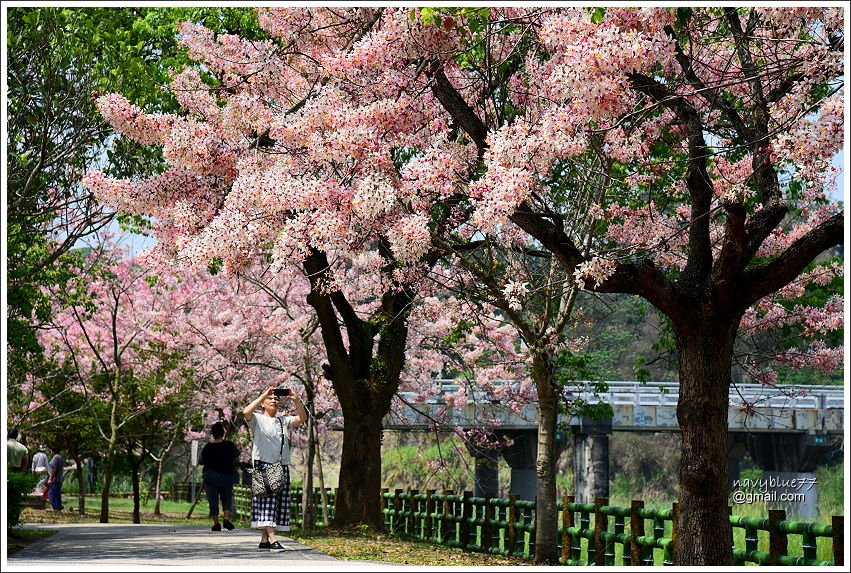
(228,525)
(264,546)
(217,527)
(276,546)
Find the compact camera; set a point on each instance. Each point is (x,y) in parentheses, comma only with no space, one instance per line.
(282,392)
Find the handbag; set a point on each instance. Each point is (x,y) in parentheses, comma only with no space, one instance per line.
(267,480)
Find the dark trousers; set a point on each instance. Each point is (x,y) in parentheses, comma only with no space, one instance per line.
(54,494)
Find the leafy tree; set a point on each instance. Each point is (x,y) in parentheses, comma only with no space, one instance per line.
(59,60)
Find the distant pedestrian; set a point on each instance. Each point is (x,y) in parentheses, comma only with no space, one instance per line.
(17,457)
(271,445)
(56,469)
(39,468)
(218,458)
(90,474)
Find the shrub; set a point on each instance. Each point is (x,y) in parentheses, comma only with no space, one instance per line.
(18,486)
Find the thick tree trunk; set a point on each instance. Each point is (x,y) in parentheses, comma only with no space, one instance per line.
(364,369)
(358,497)
(546,515)
(704,534)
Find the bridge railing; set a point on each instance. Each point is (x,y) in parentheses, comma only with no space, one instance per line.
(637,407)
(589,533)
(664,393)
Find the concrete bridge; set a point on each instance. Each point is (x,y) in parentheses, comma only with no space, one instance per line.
(785,431)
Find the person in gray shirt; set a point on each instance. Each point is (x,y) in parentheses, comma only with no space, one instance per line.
(56,473)
(39,466)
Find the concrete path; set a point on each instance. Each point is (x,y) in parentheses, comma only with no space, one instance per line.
(127,547)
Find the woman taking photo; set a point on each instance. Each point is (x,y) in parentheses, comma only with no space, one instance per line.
(272,444)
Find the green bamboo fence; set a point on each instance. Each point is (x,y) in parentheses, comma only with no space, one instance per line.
(589,533)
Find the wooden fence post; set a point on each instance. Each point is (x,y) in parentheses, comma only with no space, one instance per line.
(838,527)
(383,505)
(566,519)
(636,529)
(512,525)
(397,511)
(466,515)
(413,520)
(487,528)
(429,507)
(777,541)
(444,520)
(575,540)
(599,519)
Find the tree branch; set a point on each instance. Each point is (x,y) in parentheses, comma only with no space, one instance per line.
(459,109)
(699,263)
(762,280)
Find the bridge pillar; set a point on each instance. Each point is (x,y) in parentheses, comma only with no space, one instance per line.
(520,457)
(789,462)
(486,473)
(736,451)
(591,459)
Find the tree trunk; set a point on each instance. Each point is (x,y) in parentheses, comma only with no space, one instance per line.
(110,461)
(74,454)
(81,495)
(160,467)
(704,534)
(358,495)
(308,499)
(546,514)
(364,369)
(134,470)
(322,492)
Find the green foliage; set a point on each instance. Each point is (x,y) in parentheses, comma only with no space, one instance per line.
(436,465)
(830,478)
(580,372)
(18,487)
(59,60)
(459,331)
(644,466)
(683,16)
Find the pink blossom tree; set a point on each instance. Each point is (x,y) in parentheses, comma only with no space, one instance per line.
(278,153)
(535,298)
(109,331)
(715,128)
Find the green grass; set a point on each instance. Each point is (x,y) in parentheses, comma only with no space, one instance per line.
(120,511)
(21,538)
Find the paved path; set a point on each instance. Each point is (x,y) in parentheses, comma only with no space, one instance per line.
(126,547)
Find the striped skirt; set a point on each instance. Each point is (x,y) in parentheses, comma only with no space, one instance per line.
(272,511)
